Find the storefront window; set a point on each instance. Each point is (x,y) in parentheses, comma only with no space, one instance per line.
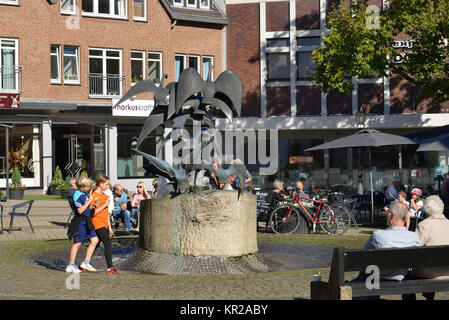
(130,165)
(23,153)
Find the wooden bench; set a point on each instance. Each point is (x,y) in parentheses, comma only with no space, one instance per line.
(345,260)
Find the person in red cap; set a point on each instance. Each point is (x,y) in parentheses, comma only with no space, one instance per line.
(416,205)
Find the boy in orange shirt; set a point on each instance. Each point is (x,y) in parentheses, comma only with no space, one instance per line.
(101,221)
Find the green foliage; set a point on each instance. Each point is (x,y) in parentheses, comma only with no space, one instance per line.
(353,48)
(16,180)
(57,178)
(84,174)
(66,185)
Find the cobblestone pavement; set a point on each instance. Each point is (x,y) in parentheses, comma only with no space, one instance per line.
(20,280)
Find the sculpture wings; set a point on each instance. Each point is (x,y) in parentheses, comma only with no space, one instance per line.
(223,94)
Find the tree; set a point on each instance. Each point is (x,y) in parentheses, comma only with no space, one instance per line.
(360,44)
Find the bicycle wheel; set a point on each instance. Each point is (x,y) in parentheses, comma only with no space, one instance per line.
(336,221)
(279,223)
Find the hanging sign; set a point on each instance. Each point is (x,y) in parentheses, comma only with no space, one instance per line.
(301,159)
(9,101)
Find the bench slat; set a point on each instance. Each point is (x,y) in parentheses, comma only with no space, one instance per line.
(397,258)
(399,287)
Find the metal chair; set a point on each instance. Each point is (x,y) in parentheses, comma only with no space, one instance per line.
(21,214)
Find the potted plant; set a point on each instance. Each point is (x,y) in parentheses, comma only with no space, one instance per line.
(63,188)
(55,183)
(16,189)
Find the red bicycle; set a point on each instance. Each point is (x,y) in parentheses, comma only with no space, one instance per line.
(335,219)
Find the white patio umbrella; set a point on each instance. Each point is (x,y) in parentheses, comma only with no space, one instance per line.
(365,138)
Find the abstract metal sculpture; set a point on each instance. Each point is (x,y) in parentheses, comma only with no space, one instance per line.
(191,99)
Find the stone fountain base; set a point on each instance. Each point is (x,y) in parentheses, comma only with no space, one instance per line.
(213,233)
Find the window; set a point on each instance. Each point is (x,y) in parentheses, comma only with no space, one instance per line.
(304,60)
(23,152)
(105,8)
(55,63)
(71,64)
(194,62)
(137,66)
(204,4)
(105,72)
(9,70)
(68,7)
(278,59)
(154,65)
(178,3)
(278,66)
(191,3)
(140,10)
(208,67)
(180,64)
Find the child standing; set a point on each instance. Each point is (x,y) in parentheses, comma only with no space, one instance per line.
(81,227)
(101,221)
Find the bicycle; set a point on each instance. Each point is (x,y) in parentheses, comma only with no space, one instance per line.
(334,219)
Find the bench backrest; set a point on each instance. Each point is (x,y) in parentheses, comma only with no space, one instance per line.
(397,258)
(345,260)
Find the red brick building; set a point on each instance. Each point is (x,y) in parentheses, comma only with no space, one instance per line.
(270,44)
(69,58)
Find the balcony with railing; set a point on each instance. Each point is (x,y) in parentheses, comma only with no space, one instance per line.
(10,79)
(105,86)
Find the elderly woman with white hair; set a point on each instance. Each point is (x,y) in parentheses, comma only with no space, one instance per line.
(278,187)
(433,231)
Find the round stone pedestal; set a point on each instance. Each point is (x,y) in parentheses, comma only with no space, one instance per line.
(205,233)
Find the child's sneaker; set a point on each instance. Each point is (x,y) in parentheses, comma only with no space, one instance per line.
(71,268)
(112,270)
(88,267)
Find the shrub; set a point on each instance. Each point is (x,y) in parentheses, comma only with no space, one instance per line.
(16,180)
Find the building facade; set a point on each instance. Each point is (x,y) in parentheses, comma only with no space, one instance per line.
(64,61)
(270,44)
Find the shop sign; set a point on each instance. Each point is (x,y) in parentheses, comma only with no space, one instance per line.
(132,108)
(301,159)
(9,101)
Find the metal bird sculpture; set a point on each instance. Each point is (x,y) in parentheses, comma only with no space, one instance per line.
(179,177)
(161,94)
(223,94)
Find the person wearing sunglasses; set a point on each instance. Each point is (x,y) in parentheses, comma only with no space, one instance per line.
(139,195)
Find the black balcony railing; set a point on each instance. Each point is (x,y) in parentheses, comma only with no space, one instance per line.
(10,79)
(109,85)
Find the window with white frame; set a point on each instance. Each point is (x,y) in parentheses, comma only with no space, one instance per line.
(208,67)
(55,63)
(15,2)
(278,59)
(178,3)
(105,72)
(68,7)
(204,4)
(191,3)
(71,65)
(154,65)
(9,70)
(194,62)
(137,66)
(304,60)
(140,10)
(180,64)
(105,8)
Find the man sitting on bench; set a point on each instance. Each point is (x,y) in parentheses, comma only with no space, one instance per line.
(395,236)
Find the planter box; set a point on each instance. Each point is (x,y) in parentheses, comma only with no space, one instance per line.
(53,191)
(16,194)
(63,195)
